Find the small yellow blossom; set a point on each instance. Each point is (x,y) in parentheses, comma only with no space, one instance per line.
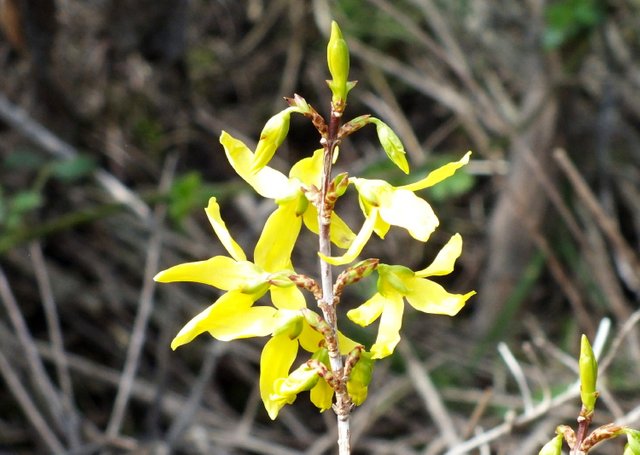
(286,192)
(384,205)
(396,283)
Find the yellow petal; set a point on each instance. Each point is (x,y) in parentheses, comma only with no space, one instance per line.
(438,175)
(404,209)
(321,395)
(358,243)
(341,234)
(231,316)
(369,311)
(220,228)
(267,182)
(221,272)
(279,235)
(389,330)
(309,170)
(275,362)
(430,297)
(309,339)
(346,344)
(445,260)
(287,298)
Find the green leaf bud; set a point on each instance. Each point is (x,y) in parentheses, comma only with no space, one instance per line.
(553,447)
(359,378)
(338,62)
(340,184)
(271,137)
(391,144)
(588,367)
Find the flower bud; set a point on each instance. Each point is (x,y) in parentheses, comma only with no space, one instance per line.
(359,378)
(553,447)
(588,375)
(391,144)
(338,62)
(271,137)
(340,184)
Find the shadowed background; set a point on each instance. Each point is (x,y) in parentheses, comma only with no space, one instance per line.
(109,117)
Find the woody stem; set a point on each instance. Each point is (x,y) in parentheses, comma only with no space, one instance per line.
(342,406)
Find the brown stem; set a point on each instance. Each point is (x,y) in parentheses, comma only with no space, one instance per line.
(584,420)
(343,404)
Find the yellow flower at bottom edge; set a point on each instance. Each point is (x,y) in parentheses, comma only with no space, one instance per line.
(277,386)
(396,283)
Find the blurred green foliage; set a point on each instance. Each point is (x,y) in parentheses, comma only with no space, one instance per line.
(568,19)
(16,205)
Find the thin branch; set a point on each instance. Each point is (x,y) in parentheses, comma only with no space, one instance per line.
(38,374)
(145,307)
(55,334)
(430,396)
(14,384)
(518,374)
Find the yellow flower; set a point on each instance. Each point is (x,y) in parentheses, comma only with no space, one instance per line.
(287,192)
(384,205)
(396,283)
(233,314)
(277,386)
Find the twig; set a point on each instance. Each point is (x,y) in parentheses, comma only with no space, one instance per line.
(37,372)
(518,375)
(570,392)
(20,393)
(144,310)
(182,421)
(430,396)
(607,225)
(55,334)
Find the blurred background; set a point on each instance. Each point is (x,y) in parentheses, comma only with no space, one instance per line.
(110,113)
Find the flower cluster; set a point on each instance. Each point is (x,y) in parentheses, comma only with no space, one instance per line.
(264,298)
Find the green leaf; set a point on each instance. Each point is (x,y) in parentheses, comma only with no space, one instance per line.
(23,159)
(73,169)
(26,201)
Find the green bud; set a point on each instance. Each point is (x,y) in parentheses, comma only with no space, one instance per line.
(633,442)
(553,447)
(359,378)
(289,322)
(391,144)
(588,367)
(338,62)
(271,137)
(340,184)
